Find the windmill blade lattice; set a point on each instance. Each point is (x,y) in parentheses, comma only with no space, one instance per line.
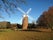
(21,10)
(28,11)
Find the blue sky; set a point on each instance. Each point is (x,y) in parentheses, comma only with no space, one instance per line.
(38,7)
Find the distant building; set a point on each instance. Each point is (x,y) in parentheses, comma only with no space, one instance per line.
(52,28)
(4,24)
(16,26)
(8,25)
(13,26)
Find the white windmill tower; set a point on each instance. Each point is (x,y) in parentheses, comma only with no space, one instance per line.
(25,18)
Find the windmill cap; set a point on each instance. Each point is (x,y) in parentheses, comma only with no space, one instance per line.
(24,15)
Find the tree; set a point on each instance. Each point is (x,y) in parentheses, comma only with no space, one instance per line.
(46,19)
(10,5)
(31,26)
(19,26)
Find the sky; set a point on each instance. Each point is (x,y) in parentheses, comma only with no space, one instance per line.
(37,8)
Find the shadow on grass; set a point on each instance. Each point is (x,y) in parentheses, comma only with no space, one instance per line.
(32,30)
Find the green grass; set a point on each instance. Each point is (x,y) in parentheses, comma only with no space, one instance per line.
(26,35)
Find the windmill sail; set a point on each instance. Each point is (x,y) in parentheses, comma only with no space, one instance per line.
(21,10)
(28,10)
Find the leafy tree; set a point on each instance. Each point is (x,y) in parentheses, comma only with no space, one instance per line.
(19,26)
(31,25)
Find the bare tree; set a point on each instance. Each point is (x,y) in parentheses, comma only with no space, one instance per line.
(10,5)
(46,19)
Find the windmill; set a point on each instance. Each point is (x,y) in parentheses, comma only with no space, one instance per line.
(25,18)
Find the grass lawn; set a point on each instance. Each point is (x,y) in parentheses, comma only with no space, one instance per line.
(26,35)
